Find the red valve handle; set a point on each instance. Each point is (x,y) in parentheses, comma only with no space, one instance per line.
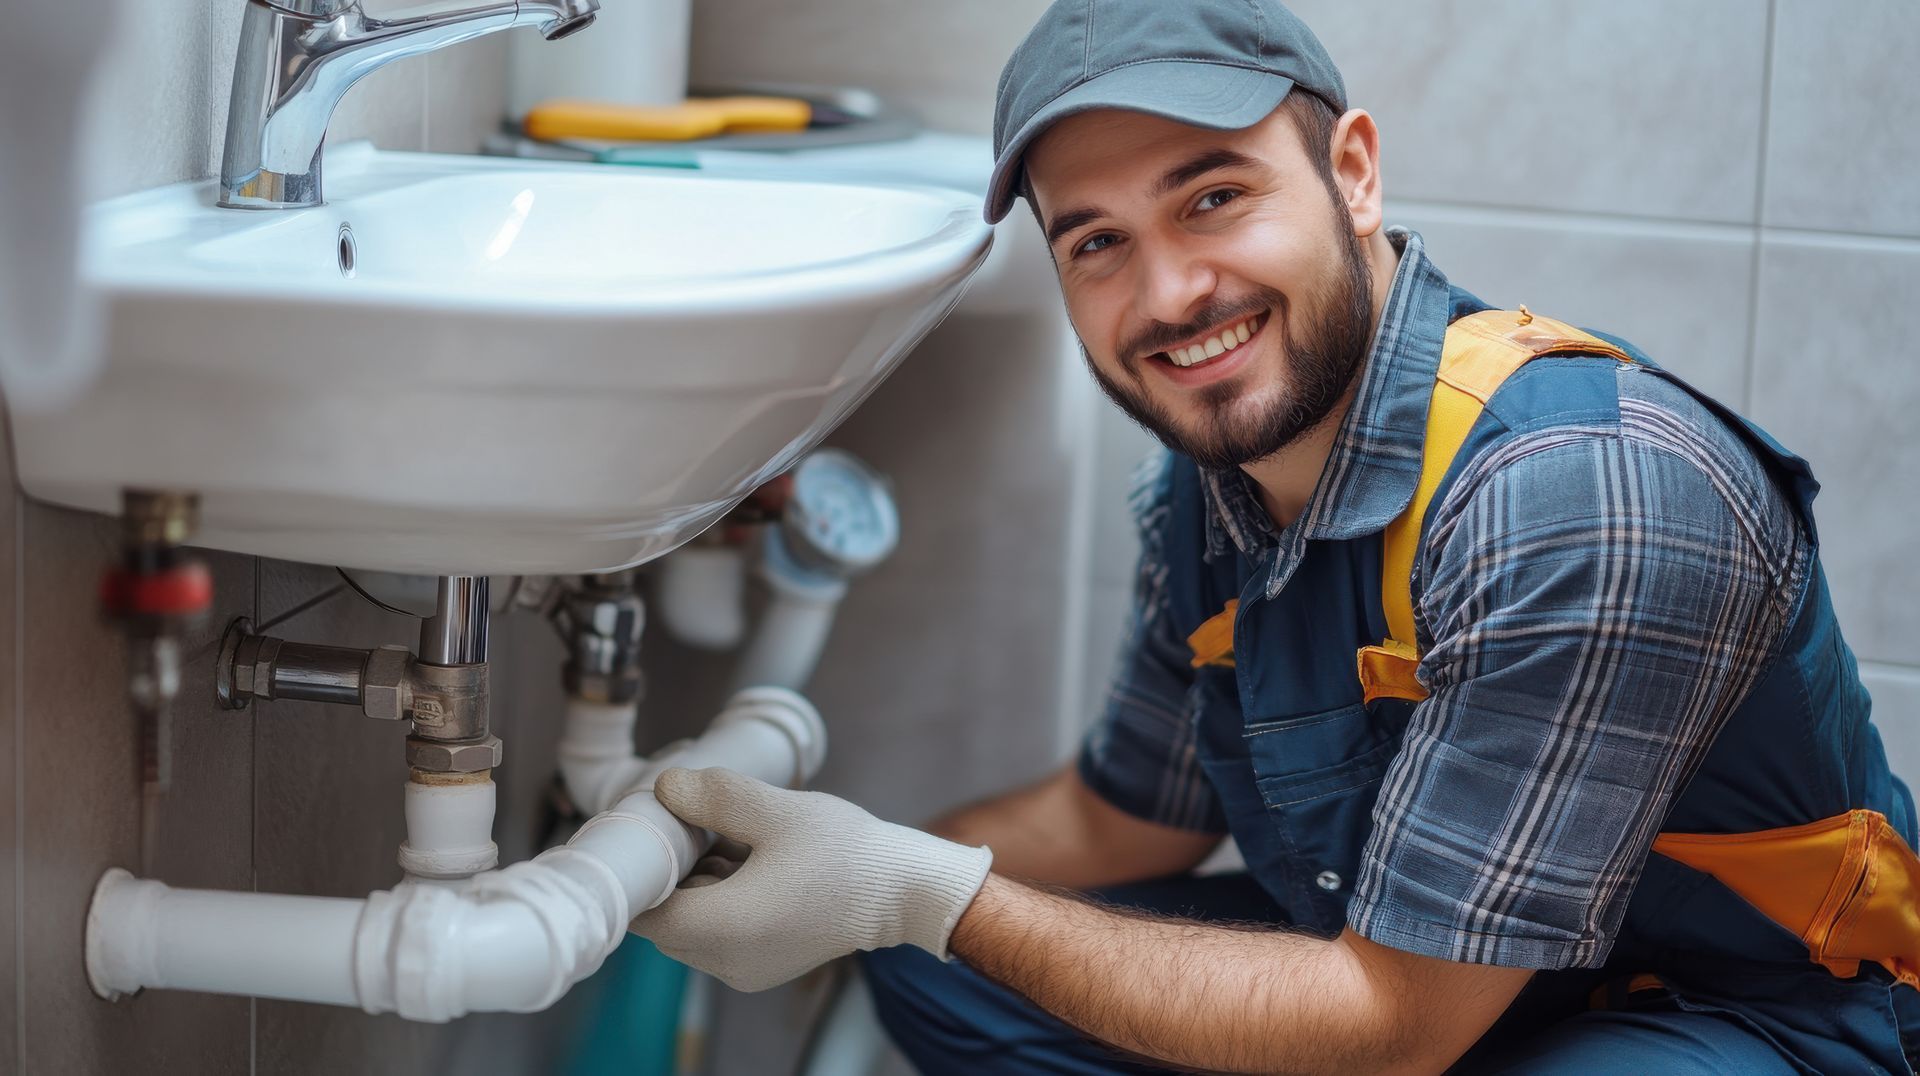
(182,590)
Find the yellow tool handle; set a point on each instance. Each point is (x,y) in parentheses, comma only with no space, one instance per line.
(694,118)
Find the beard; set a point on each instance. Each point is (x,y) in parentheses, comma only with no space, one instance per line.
(1324,349)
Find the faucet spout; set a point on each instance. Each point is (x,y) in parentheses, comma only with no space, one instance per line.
(297,58)
(558,18)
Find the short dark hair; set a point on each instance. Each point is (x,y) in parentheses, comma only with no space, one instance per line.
(1316,120)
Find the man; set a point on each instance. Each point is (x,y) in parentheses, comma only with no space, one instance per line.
(1504,656)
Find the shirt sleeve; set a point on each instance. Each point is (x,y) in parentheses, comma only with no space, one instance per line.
(1598,605)
(1139,755)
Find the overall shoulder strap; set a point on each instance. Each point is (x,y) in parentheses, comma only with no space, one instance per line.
(1480,352)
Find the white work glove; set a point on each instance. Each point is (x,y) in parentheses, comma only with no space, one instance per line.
(821,878)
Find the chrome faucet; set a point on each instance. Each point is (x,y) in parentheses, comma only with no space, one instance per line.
(297,59)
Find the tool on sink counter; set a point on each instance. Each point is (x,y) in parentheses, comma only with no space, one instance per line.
(694,118)
(836,116)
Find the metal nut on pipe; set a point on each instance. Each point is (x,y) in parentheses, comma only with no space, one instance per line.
(386,688)
(458,756)
(244,670)
(602,619)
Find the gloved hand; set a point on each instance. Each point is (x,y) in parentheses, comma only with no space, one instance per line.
(821,878)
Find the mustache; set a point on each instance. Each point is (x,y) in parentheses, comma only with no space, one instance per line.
(1160,336)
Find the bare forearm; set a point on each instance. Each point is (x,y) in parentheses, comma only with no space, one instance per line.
(1059,832)
(1190,994)
(1224,999)
(1034,833)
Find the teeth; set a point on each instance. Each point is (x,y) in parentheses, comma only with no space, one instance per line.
(1215,346)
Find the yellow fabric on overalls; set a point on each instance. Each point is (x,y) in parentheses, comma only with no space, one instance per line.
(1848,886)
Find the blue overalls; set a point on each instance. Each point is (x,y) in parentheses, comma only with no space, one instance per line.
(1297,756)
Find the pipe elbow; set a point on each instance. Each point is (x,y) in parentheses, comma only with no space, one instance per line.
(512,940)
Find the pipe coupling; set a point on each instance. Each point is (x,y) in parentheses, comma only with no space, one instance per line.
(453,756)
(244,670)
(448,702)
(386,691)
(602,620)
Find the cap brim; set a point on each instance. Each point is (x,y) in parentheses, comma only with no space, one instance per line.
(1196,93)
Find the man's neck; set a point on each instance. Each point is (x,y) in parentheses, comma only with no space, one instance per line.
(1286,479)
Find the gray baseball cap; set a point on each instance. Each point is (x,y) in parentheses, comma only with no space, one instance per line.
(1223,64)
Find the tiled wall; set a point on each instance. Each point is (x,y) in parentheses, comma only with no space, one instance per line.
(938,58)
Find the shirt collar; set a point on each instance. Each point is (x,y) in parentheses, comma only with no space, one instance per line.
(1370,474)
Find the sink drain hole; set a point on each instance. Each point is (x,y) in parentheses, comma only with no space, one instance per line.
(349,251)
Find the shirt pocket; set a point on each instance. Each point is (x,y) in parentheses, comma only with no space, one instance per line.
(1318,777)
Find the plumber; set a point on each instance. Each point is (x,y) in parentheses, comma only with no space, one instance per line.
(1503,655)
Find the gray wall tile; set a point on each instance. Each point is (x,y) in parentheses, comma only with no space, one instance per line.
(1640,107)
(147,115)
(287,586)
(1842,147)
(219,53)
(1834,381)
(10,770)
(466,93)
(1682,293)
(387,107)
(83,808)
(944,665)
(941,60)
(1896,713)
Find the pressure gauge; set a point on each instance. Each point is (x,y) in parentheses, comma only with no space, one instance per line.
(840,519)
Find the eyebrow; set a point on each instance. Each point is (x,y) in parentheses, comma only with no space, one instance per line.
(1204,163)
(1067,222)
(1213,160)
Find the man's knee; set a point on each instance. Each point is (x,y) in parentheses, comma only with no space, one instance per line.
(902,968)
(930,1008)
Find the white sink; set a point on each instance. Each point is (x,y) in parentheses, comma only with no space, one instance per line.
(532,367)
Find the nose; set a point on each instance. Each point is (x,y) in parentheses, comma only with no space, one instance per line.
(1173,284)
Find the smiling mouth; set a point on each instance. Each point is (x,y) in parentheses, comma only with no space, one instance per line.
(1221,343)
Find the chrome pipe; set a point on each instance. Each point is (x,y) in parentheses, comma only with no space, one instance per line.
(456,633)
(313,673)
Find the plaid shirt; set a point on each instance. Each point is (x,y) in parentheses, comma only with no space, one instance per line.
(1583,642)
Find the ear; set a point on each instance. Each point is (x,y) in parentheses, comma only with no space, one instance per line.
(1355,151)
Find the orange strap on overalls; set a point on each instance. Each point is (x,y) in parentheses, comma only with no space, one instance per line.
(1481,351)
(1848,886)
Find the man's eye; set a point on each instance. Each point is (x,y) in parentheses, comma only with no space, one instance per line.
(1096,244)
(1216,199)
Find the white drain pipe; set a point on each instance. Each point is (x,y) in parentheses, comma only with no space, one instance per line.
(512,940)
(597,763)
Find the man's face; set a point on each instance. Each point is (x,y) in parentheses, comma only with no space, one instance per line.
(1218,288)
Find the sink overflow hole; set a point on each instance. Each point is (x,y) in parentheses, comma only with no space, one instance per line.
(349,252)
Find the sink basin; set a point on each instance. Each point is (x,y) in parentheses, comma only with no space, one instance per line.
(489,366)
